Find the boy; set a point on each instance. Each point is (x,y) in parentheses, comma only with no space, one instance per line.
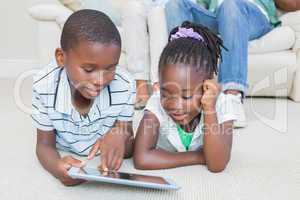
(83,102)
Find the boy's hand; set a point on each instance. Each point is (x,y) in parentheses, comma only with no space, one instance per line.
(112,148)
(63,165)
(211,91)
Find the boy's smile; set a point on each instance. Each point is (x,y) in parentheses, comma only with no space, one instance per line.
(90,66)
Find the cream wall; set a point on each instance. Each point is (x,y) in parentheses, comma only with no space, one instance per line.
(18,45)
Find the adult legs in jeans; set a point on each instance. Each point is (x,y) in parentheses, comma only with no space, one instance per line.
(237,22)
(178,11)
(136,42)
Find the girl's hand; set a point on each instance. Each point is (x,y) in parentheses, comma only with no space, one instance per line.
(63,165)
(211,91)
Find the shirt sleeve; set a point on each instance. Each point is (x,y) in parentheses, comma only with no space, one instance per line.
(39,114)
(154,106)
(128,109)
(203,3)
(225,107)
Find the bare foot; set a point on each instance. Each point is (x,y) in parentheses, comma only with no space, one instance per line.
(142,94)
(234,92)
(155,87)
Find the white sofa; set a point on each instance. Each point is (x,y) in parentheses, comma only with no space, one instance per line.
(274,60)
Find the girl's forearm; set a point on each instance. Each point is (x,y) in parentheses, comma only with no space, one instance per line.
(216,150)
(161,159)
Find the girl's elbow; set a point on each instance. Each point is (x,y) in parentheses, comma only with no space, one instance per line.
(217,167)
(140,163)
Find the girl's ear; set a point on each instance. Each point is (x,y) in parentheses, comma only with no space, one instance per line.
(59,56)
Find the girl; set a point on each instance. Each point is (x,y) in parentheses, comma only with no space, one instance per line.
(189,122)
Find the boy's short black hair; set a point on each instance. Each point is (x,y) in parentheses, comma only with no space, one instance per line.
(91,26)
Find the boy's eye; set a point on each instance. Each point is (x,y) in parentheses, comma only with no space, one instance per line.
(111,68)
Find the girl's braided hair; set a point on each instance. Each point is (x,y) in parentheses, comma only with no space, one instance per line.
(203,53)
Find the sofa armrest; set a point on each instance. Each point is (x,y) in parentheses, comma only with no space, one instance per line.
(158,37)
(50,12)
(295,92)
(292,19)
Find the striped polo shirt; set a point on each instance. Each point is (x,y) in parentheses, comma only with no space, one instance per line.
(53,109)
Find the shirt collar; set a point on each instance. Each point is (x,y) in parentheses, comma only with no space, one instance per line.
(175,140)
(62,100)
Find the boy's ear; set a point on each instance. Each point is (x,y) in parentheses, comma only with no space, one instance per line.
(59,56)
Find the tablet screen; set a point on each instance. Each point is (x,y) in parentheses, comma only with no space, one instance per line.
(124,176)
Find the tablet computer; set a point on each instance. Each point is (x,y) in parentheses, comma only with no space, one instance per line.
(121,178)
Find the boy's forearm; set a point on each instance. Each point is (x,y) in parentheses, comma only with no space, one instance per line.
(48,157)
(161,159)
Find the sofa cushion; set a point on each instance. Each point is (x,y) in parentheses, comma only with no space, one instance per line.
(279,39)
(112,8)
(123,57)
(271,74)
(49,12)
(292,19)
(74,5)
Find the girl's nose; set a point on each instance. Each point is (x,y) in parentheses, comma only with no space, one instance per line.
(177,104)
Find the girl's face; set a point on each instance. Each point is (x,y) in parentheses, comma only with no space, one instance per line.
(181,91)
(90,66)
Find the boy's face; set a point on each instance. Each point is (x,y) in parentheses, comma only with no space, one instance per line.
(90,66)
(181,92)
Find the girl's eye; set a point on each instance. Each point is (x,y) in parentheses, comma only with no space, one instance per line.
(168,97)
(187,97)
(88,70)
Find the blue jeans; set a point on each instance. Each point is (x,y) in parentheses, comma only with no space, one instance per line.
(237,22)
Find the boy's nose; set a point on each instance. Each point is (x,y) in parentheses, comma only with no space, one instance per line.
(98,79)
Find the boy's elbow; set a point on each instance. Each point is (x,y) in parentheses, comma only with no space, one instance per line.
(129,152)
(128,155)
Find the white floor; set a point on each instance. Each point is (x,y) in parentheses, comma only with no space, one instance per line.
(265,160)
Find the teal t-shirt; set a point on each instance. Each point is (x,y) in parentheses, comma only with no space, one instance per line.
(267,5)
